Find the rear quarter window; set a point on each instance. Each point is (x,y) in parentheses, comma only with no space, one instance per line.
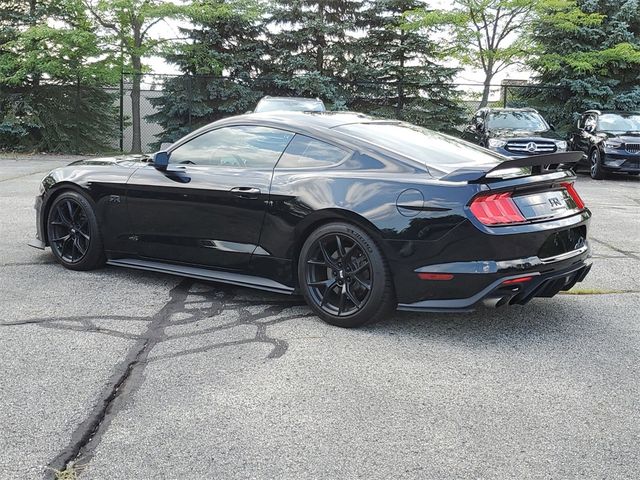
(307,152)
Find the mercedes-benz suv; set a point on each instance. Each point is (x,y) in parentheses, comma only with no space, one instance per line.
(513,132)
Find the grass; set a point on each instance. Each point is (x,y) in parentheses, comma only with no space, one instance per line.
(595,291)
(71,472)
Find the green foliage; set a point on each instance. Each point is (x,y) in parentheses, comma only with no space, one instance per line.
(398,70)
(221,60)
(52,79)
(483,34)
(309,46)
(591,50)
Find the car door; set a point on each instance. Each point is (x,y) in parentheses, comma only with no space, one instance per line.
(207,208)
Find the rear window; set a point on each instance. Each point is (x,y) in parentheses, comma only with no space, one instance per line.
(439,152)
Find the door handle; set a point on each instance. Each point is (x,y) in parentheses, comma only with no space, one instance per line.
(245,192)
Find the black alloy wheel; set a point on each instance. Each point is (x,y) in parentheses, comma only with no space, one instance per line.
(595,165)
(73,234)
(344,277)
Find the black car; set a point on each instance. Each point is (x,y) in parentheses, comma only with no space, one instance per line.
(609,140)
(513,132)
(358,215)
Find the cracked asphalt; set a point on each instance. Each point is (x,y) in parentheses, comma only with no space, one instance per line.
(135,375)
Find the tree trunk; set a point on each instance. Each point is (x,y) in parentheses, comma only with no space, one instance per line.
(486,90)
(136,143)
(400,102)
(320,41)
(136,63)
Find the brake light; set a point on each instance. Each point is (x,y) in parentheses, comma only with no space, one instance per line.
(571,190)
(496,209)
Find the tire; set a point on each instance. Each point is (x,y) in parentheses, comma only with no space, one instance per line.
(344,276)
(595,165)
(73,233)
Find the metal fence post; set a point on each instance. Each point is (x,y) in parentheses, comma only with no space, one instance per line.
(121,113)
(505,93)
(77,115)
(189,95)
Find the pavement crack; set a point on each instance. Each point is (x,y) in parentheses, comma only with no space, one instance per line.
(88,432)
(619,250)
(184,310)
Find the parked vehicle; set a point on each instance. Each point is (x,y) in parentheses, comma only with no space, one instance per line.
(289,104)
(513,132)
(358,215)
(609,140)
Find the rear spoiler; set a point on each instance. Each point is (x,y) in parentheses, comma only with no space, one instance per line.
(561,161)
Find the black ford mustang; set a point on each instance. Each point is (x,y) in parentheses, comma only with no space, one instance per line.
(358,215)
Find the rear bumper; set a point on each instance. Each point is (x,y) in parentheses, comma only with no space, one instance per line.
(548,277)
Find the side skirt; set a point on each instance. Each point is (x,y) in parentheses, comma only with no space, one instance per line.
(204,274)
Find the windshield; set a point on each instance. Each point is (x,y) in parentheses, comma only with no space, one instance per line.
(516,121)
(613,122)
(435,150)
(290,105)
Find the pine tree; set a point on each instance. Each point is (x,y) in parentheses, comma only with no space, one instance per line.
(309,47)
(589,50)
(52,79)
(400,70)
(221,60)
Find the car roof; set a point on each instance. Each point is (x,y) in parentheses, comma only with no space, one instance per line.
(618,112)
(509,109)
(299,121)
(268,97)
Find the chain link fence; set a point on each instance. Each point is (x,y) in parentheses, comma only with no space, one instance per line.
(147,110)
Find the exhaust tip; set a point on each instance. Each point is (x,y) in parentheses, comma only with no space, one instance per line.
(495,302)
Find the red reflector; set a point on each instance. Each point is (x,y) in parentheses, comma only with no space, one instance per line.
(435,276)
(571,190)
(517,280)
(496,209)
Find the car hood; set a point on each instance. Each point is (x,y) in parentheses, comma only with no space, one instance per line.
(122,160)
(624,137)
(509,133)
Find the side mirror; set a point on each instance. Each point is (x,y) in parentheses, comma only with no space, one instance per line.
(590,128)
(552,126)
(480,126)
(161,160)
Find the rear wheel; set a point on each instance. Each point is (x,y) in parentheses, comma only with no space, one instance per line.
(595,165)
(343,276)
(72,230)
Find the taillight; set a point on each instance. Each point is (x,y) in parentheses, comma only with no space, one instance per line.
(571,190)
(496,209)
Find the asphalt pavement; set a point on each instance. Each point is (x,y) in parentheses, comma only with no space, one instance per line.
(122,374)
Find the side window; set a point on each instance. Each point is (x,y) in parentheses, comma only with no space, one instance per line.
(304,152)
(237,146)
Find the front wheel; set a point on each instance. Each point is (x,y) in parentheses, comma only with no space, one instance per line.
(595,164)
(343,276)
(72,230)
